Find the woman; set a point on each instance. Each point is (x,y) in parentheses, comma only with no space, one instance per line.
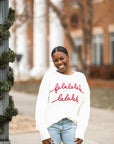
(63,104)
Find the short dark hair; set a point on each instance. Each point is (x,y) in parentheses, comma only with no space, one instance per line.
(59,49)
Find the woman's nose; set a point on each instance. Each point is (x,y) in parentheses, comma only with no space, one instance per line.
(59,61)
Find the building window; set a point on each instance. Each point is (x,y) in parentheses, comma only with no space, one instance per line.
(74,20)
(95,1)
(78,44)
(73,4)
(98,49)
(112,48)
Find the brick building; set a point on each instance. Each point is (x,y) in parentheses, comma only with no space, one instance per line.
(102,31)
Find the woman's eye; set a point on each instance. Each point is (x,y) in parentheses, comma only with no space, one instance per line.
(55,60)
(61,58)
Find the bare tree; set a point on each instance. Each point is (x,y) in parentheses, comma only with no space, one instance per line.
(86,13)
(21,18)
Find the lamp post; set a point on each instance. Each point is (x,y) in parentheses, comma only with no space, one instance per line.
(4,102)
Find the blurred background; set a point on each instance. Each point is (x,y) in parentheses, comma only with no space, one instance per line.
(85,28)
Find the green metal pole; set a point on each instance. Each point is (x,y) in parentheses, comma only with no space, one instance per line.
(4,137)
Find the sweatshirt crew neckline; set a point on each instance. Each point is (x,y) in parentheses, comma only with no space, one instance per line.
(66,74)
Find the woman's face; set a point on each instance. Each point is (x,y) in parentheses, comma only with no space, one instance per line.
(61,62)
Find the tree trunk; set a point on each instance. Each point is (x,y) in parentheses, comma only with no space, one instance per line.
(67,33)
(86,13)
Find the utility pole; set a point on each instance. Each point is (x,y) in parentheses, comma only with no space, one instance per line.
(4,102)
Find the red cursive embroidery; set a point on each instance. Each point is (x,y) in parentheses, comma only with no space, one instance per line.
(67,98)
(69,86)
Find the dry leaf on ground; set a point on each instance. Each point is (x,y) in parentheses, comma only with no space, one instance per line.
(21,124)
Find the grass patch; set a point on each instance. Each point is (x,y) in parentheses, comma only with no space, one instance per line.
(30,88)
(100,97)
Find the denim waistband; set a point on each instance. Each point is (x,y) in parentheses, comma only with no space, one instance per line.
(65,120)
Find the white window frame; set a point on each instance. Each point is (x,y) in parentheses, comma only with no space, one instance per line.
(97,1)
(74,4)
(112,48)
(98,49)
(74,60)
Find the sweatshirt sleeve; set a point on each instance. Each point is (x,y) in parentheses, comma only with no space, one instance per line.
(41,105)
(84,111)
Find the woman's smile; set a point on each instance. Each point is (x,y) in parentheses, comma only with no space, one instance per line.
(61,66)
(61,62)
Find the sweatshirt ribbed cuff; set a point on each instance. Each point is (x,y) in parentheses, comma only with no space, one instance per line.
(79,134)
(44,134)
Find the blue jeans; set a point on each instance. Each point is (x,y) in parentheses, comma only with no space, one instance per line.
(63,131)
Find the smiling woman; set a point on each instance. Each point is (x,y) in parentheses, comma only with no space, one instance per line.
(61,60)
(63,104)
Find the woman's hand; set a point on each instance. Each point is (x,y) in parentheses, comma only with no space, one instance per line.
(78,140)
(47,141)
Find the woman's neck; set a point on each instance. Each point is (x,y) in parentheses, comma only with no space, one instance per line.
(69,71)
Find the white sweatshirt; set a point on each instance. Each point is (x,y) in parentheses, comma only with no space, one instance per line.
(62,96)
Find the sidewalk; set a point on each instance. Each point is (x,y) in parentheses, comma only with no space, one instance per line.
(33,138)
(100,129)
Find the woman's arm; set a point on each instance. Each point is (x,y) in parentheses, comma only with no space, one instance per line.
(84,111)
(41,107)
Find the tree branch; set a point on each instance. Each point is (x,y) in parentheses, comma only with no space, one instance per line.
(67,33)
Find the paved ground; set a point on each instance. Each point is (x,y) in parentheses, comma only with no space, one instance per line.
(100,129)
